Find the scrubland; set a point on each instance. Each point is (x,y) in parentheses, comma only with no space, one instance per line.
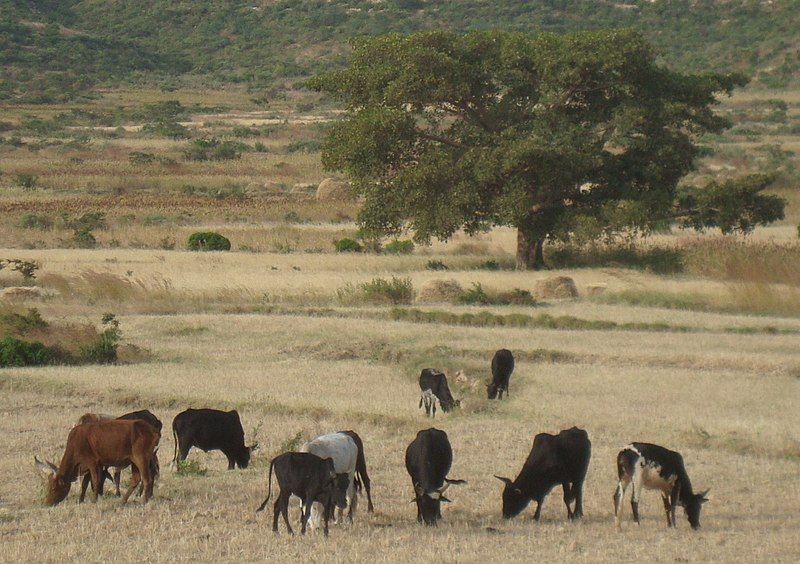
(689,341)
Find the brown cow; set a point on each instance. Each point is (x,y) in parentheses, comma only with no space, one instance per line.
(91,446)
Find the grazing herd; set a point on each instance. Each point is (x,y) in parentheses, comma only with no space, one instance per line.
(328,472)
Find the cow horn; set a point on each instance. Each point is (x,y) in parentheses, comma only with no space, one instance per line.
(435,494)
(445,499)
(253,447)
(704,494)
(47,468)
(506,481)
(444,488)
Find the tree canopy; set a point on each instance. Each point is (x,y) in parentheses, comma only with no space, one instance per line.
(549,134)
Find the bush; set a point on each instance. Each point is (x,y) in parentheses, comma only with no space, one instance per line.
(213,150)
(89,221)
(474,296)
(347,246)
(27,268)
(84,239)
(436,265)
(379,291)
(398,247)
(167,128)
(208,241)
(140,158)
(104,349)
(489,265)
(190,468)
(26,181)
(15,352)
(292,217)
(36,221)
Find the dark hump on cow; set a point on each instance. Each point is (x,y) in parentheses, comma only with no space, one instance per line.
(146,416)
(430,455)
(502,363)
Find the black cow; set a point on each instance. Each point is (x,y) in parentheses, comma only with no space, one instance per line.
(502,367)
(310,478)
(653,467)
(361,475)
(428,460)
(433,385)
(554,459)
(211,429)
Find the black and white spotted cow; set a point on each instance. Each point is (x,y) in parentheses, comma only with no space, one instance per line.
(648,466)
(433,388)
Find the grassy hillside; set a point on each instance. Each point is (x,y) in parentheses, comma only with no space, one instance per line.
(258,42)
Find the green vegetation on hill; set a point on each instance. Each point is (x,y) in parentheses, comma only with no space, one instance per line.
(259,42)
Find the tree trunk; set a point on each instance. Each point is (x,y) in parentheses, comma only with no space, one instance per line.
(530,255)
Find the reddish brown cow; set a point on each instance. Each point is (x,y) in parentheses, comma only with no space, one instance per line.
(91,446)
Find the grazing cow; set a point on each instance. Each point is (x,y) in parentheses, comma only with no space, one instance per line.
(91,446)
(211,429)
(655,468)
(554,459)
(361,475)
(502,367)
(308,477)
(433,387)
(342,449)
(428,460)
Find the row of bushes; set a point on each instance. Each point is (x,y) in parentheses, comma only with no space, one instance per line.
(397,291)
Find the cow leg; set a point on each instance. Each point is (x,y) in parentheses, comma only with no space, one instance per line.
(352,499)
(538,512)
(568,497)
(667,507)
(500,393)
(84,485)
(619,494)
(284,508)
(135,477)
(97,475)
(309,502)
(577,490)
(276,514)
(674,497)
(184,446)
(117,478)
(231,462)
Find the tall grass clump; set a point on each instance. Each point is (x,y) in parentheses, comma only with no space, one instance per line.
(378,291)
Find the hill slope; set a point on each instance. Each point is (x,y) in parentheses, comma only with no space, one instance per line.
(259,41)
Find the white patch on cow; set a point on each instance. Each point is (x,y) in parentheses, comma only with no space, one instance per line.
(344,452)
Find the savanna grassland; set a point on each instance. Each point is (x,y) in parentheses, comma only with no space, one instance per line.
(690,341)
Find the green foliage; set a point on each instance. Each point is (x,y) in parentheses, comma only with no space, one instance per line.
(21,323)
(659,260)
(17,353)
(489,265)
(293,217)
(26,181)
(188,467)
(474,296)
(434,264)
(83,238)
(27,268)
(88,221)
(378,291)
(213,150)
(208,241)
(291,444)
(167,128)
(347,245)
(104,349)
(399,247)
(141,158)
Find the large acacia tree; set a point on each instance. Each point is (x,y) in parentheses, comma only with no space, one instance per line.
(549,134)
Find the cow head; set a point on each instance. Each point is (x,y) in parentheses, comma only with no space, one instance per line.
(429,503)
(693,506)
(491,390)
(244,455)
(57,487)
(514,501)
(340,486)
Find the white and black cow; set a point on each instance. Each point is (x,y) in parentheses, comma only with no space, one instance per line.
(648,466)
(308,477)
(211,429)
(433,387)
(428,460)
(361,476)
(343,450)
(502,367)
(554,459)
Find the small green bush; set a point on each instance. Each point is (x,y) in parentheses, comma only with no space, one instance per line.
(474,296)
(15,352)
(141,158)
(90,221)
(292,217)
(489,265)
(26,181)
(213,150)
(436,265)
(84,239)
(378,291)
(399,247)
(36,221)
(104,349)
(190,468)
(167,128)
(347,246)
(208,241)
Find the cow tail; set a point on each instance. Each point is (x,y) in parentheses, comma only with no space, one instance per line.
(269,487)
(175,450)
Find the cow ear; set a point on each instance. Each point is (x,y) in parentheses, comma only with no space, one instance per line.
(46,468)
(506,481)
(418,489)
(703,498)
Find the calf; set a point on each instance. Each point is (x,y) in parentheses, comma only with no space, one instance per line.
(361,475)
(211,429)
(91,446)
(502,367)
(310,478)
(433,387)
(554,459)
(653,467)
(428,460)
(342,449)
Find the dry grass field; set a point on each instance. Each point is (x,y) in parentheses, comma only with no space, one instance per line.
(689,341)
(728,401)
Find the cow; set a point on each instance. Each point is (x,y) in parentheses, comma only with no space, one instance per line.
(553,460)
(308,477)
(92,446)
(653,467)
(143,415)
(211,429)
(433,387)
(361,475)
(428,460)
(502,367)
(343,450)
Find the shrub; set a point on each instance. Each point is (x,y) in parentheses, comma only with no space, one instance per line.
(347,246)
(398,247)
(475,295)
(516,296)
(167,128)
(26,181)
(89,221)
(213,150)
(140,158)
(36,221)
(378,291)
(190,468)
(489,265)
(84,239)
(27,268)
(21,323)
(16,352)
(292,217)
(436,265)
(104,349)
(208,241)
